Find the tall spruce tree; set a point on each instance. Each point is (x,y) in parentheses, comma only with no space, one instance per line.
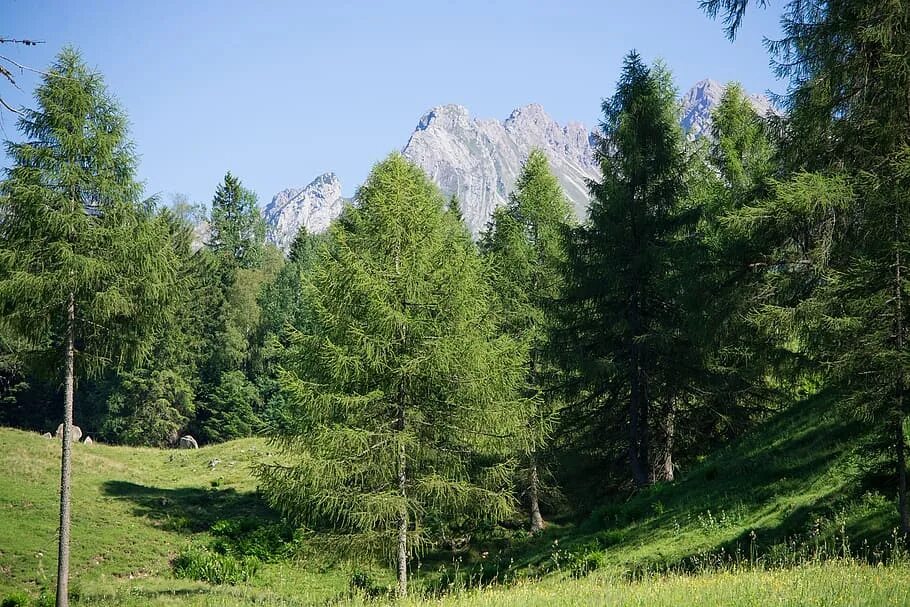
(88,268)
(403,396)
(526,247)
(237,228)
(848,123)
(623,312)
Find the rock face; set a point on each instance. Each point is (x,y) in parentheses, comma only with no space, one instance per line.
(312,207)
(700,101)
(77,432)
(187,442)
(479,160)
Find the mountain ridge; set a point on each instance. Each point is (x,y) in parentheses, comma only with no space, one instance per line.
(479,159)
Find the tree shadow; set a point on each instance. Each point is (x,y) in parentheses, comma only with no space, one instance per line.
(188,509)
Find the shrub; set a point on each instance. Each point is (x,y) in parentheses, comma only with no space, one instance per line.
(209,566)
(17,599)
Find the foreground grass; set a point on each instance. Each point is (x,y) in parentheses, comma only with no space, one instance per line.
(831,584)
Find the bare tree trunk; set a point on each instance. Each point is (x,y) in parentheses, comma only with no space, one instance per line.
(899,433)
(637,424)
(63,554)
(534,497)
(669,424)
(403,515)
(902,476)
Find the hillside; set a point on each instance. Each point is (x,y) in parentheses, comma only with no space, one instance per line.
(135,509)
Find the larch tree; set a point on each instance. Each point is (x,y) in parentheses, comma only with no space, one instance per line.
(86,266)
(624,309)
(403,400)
(526,248)
(846,142)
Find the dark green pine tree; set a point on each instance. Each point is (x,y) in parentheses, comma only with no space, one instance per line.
(403,395)
(87,267)
(843,229)
(237,229)
(623,315)
(526,247)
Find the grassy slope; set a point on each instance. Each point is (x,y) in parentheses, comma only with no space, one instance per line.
(805,473)
(135,508)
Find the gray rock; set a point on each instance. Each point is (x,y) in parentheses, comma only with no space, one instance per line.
(187,442)
(47,435)
(312,207)
(77,432)
(479,160)
(88,440)
(700,101)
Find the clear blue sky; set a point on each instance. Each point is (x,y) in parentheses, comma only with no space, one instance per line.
(279,92)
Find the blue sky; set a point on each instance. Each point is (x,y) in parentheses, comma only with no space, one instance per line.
(279,92)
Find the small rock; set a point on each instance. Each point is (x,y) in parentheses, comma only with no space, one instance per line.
(214,463)
(88,440)
(187,442)
(47,435)
(77,432)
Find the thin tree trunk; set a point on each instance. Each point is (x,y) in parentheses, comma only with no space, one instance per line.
(902,476)
(669,423)
(534,497)
(899,431)
(403,515)
(63,554)
(636,423)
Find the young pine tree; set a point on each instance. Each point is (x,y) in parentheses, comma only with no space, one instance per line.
(403,397)
(87,268)
(237,228)
(526,247)
(624,309)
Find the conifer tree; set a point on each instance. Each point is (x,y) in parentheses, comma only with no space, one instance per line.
(402,394)
(526,247)
(623,313)
(237,227)
(87,267)
(843,227)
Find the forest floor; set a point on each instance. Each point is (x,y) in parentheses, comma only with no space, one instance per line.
(789,515)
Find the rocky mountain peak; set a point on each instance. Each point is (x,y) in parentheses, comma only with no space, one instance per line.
(700,100)
(479,160)
(313,207)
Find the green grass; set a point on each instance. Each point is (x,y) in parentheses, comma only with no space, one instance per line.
(133,511)
(805,474)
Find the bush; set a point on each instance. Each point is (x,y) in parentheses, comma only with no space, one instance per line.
(17,599)
(249,537)
(363,584)
(209,566)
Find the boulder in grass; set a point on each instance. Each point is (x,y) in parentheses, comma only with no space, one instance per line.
(77,432)
(88,440)
(187,442)
(47,435)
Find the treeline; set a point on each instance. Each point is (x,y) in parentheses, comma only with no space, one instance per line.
(423,386)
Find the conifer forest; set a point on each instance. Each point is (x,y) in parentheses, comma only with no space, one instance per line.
(696,392)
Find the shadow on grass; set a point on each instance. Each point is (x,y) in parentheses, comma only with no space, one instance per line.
(188,509)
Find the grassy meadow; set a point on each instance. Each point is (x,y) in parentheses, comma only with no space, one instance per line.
(788,520)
